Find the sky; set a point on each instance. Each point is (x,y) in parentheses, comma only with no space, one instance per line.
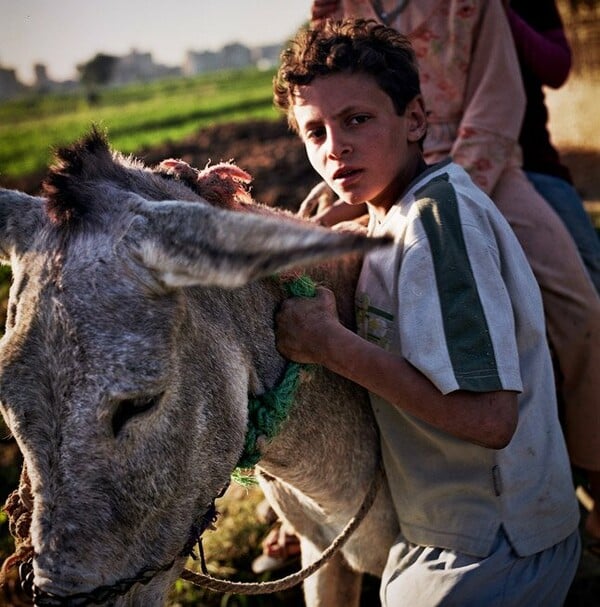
(64,33)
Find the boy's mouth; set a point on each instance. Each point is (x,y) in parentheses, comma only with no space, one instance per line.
(345,173)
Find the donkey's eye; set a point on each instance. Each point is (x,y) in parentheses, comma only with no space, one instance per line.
(132,407)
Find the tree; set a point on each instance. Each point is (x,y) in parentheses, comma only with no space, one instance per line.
(94,74)
(97,71)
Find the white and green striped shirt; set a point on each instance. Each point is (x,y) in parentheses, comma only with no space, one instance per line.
(457,299)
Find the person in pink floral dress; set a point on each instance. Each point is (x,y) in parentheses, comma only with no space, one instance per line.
(545,59)
(474,95)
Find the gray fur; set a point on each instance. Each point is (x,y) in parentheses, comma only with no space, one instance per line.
(120,297)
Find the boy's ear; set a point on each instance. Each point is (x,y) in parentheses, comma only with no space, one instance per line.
(417,119)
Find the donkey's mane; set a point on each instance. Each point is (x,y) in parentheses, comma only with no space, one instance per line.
(89,167)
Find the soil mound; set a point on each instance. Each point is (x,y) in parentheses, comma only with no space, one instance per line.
(269,151)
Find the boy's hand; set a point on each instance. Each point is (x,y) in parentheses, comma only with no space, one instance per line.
(305,325)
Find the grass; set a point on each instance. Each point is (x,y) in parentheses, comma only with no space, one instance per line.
(136,116)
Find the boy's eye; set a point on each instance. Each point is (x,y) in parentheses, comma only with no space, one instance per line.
(358,119)
(315,133)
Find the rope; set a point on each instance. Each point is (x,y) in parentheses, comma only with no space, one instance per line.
(268,411)
(220,585)
(18,507)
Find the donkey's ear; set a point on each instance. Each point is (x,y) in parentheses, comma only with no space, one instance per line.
(21,216)
(197,244)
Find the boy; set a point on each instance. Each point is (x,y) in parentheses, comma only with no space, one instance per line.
(451,341)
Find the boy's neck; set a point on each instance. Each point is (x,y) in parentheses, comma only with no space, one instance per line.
(399,187)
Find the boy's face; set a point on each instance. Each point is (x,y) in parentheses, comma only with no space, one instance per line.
(355,139)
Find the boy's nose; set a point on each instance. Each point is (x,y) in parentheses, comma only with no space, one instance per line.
(338,145)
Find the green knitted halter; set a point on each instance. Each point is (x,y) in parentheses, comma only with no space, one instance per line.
(268,411)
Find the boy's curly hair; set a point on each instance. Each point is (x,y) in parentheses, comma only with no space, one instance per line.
(351,46)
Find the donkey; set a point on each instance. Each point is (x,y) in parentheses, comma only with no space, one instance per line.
(140,319)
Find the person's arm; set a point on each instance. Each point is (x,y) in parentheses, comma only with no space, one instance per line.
(494,103)
(324,9)
(546,53)
(323,207)
(309,331)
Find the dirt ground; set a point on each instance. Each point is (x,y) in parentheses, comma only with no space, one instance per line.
(276,160)
(282,176)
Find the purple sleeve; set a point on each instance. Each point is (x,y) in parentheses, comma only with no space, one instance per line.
(547,54)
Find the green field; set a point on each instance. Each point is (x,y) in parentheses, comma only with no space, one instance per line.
(138,115)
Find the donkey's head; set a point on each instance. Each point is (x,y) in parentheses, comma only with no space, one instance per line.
(131,344)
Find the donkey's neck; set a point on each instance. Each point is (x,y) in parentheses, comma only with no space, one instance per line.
(331,415)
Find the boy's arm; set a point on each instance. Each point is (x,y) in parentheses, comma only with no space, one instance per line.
(309,331)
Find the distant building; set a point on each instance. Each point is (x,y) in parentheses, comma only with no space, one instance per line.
(42,83)
(231,56)
(140,67)
(236,56)
(9,84)
(265,57)
(200,62)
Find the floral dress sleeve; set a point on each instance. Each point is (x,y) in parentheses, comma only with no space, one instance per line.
(494,102)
